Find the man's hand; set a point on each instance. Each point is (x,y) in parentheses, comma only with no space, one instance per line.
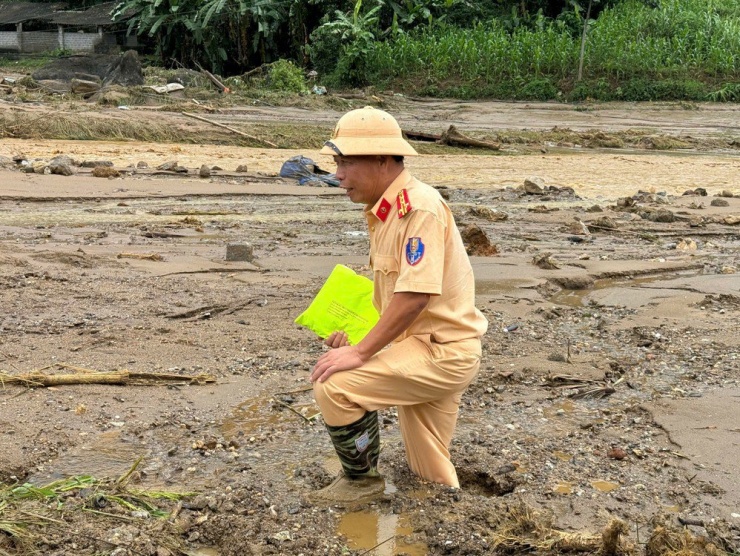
(402,310)
(340,359)
(336,340)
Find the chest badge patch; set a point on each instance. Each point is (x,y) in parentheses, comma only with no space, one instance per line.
(414,251)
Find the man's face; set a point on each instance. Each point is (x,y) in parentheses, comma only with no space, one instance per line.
(360,177)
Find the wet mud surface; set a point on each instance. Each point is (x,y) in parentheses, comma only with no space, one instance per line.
(609,386)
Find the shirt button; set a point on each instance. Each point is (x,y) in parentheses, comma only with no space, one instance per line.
(372,228)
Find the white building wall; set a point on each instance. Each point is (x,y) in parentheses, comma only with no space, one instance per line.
(81,42)
(8,40)
(40,41)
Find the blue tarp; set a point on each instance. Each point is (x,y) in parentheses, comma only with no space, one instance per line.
(306,172)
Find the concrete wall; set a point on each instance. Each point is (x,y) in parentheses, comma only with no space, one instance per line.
(44,41)
(40,41)
(8,40)
(81,42)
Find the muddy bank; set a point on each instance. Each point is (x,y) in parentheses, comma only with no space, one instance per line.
(606,395)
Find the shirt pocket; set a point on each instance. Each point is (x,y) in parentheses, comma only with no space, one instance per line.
(385,275)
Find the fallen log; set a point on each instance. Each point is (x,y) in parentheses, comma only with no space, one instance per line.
(36,379)
(454,138)
(213,79)
(421,136)
(231,129)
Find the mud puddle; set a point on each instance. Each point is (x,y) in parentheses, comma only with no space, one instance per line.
(106,455)
(380,533)
(580,298)
(265,414)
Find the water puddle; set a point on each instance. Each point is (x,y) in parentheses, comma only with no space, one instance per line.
(604,486)
(488,287)
(563,488)
(578,298)
(384,534)
(105,456)
(263,414)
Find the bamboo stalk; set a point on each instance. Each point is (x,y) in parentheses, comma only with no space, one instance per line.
(122,377)
(231,129)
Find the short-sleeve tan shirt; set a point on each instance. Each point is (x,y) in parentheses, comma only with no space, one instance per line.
(415,246)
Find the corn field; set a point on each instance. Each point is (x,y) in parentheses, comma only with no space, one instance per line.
(628,47)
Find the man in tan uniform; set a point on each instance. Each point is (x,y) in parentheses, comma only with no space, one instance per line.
(424,291)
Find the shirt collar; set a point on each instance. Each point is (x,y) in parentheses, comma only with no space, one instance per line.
(384,207)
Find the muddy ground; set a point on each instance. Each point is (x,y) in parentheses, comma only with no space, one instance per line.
(608,389)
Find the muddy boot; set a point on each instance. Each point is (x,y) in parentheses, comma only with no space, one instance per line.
(358,448)
(347,490)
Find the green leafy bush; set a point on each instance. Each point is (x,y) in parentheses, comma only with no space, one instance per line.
(538,89)
(287,77)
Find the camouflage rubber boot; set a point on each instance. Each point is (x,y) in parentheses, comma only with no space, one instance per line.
(358,446)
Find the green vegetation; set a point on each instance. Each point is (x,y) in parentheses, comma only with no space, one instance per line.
(683,50)
(509,49)
(29,512)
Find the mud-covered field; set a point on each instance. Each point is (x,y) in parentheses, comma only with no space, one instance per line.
(607,400)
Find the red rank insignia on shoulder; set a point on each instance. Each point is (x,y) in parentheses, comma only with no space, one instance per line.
(383,210)
(403,204)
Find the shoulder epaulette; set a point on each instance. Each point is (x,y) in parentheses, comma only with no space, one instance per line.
(403,204)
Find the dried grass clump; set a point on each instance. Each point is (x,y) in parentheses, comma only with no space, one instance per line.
(667,541)
(525,530)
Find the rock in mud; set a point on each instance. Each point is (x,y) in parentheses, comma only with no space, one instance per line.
(603,223)
(168,166)
(578,228)
(126,71)
(242,168)
(726,193)
(239,252)
(84,88)
(205,171)
(96,163)
(661,215)
(6,162)
(534,186)
(142,165)
(477,243)
(594,208)
(492,215)
(719,203)
(105,172)
(686,244)
(545,261)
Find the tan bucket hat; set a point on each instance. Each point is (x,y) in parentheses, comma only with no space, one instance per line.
(367,131)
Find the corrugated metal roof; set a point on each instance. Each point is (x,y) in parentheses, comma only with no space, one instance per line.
(97,15)
(18,12)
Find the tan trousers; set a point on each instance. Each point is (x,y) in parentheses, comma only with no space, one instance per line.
(425,380)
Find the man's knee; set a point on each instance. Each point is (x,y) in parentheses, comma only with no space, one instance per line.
(321,393)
